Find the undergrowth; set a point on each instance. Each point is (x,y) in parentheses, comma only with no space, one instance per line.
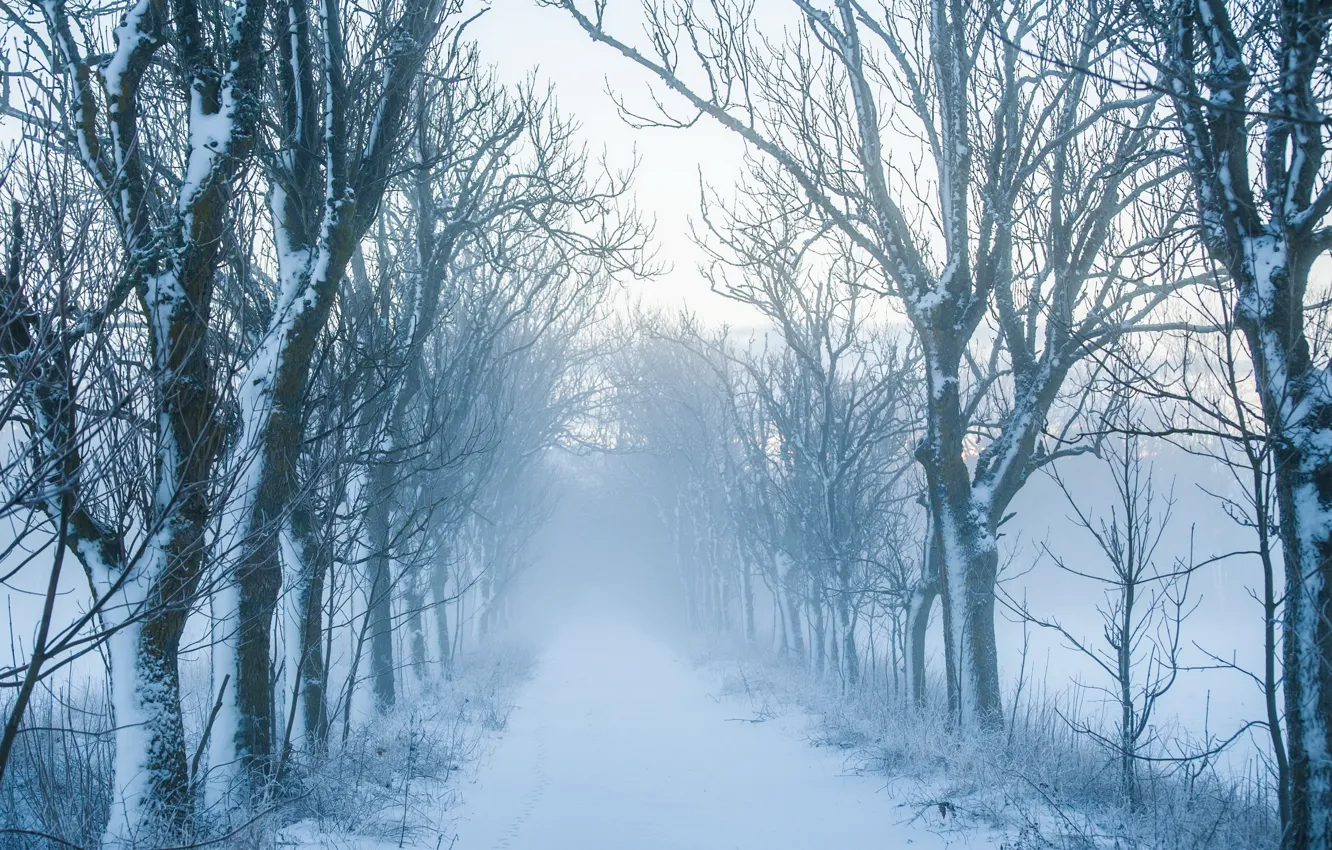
(384,783)
(1038,783)
(391,779)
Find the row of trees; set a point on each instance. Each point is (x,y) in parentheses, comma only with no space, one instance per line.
(1060,199)
(295,297)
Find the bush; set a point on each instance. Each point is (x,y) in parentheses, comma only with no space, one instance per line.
(59,774)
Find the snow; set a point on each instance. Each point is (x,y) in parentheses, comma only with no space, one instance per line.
(130,777)
(223,767)
(1266,257)
(132,687)
(129,36)
(299,271)
(210,136)
(288,639)
(618,742)
(1313,519)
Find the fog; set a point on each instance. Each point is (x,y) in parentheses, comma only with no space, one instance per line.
(605,558)
(587,424)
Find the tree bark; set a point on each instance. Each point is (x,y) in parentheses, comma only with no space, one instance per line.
(968,548)
(314,687)
(917,628)
(380,566)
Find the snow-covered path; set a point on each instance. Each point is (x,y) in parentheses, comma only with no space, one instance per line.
(616,744)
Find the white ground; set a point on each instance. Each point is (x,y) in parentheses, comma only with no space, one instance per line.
(617,744)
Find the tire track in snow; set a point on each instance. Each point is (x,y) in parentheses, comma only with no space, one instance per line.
(510,835)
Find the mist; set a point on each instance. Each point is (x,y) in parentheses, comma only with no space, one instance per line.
(558,424)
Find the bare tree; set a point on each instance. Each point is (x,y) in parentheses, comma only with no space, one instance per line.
(495,175)
(1143,612)
(840,394)
(344,86)
(1247,84)
(1025,259)
(166,173)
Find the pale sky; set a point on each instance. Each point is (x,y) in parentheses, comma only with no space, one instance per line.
(518,37)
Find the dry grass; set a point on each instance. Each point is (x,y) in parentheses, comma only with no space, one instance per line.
(1039,782)
(388,783)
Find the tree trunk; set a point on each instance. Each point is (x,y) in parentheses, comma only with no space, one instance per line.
(918,616)
(975,651)
(1124,642)
(415,602)
(259,581)
(970,562)
(970,565)
(314,687)
(439,580)
(381,587)
(793,601)
(747,599)
(1304,496)
(1298,411)
(820,640)
(834,646)
(1302,418)
(1271,687)
(850,652)
(150,800)
(917,629)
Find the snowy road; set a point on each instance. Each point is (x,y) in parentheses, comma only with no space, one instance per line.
(617,745)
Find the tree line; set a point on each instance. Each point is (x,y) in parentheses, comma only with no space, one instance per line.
(295,297)
(985,238)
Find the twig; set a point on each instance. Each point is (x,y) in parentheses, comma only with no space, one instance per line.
(208,730)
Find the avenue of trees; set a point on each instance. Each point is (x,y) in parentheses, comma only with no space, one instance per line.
(296,299)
